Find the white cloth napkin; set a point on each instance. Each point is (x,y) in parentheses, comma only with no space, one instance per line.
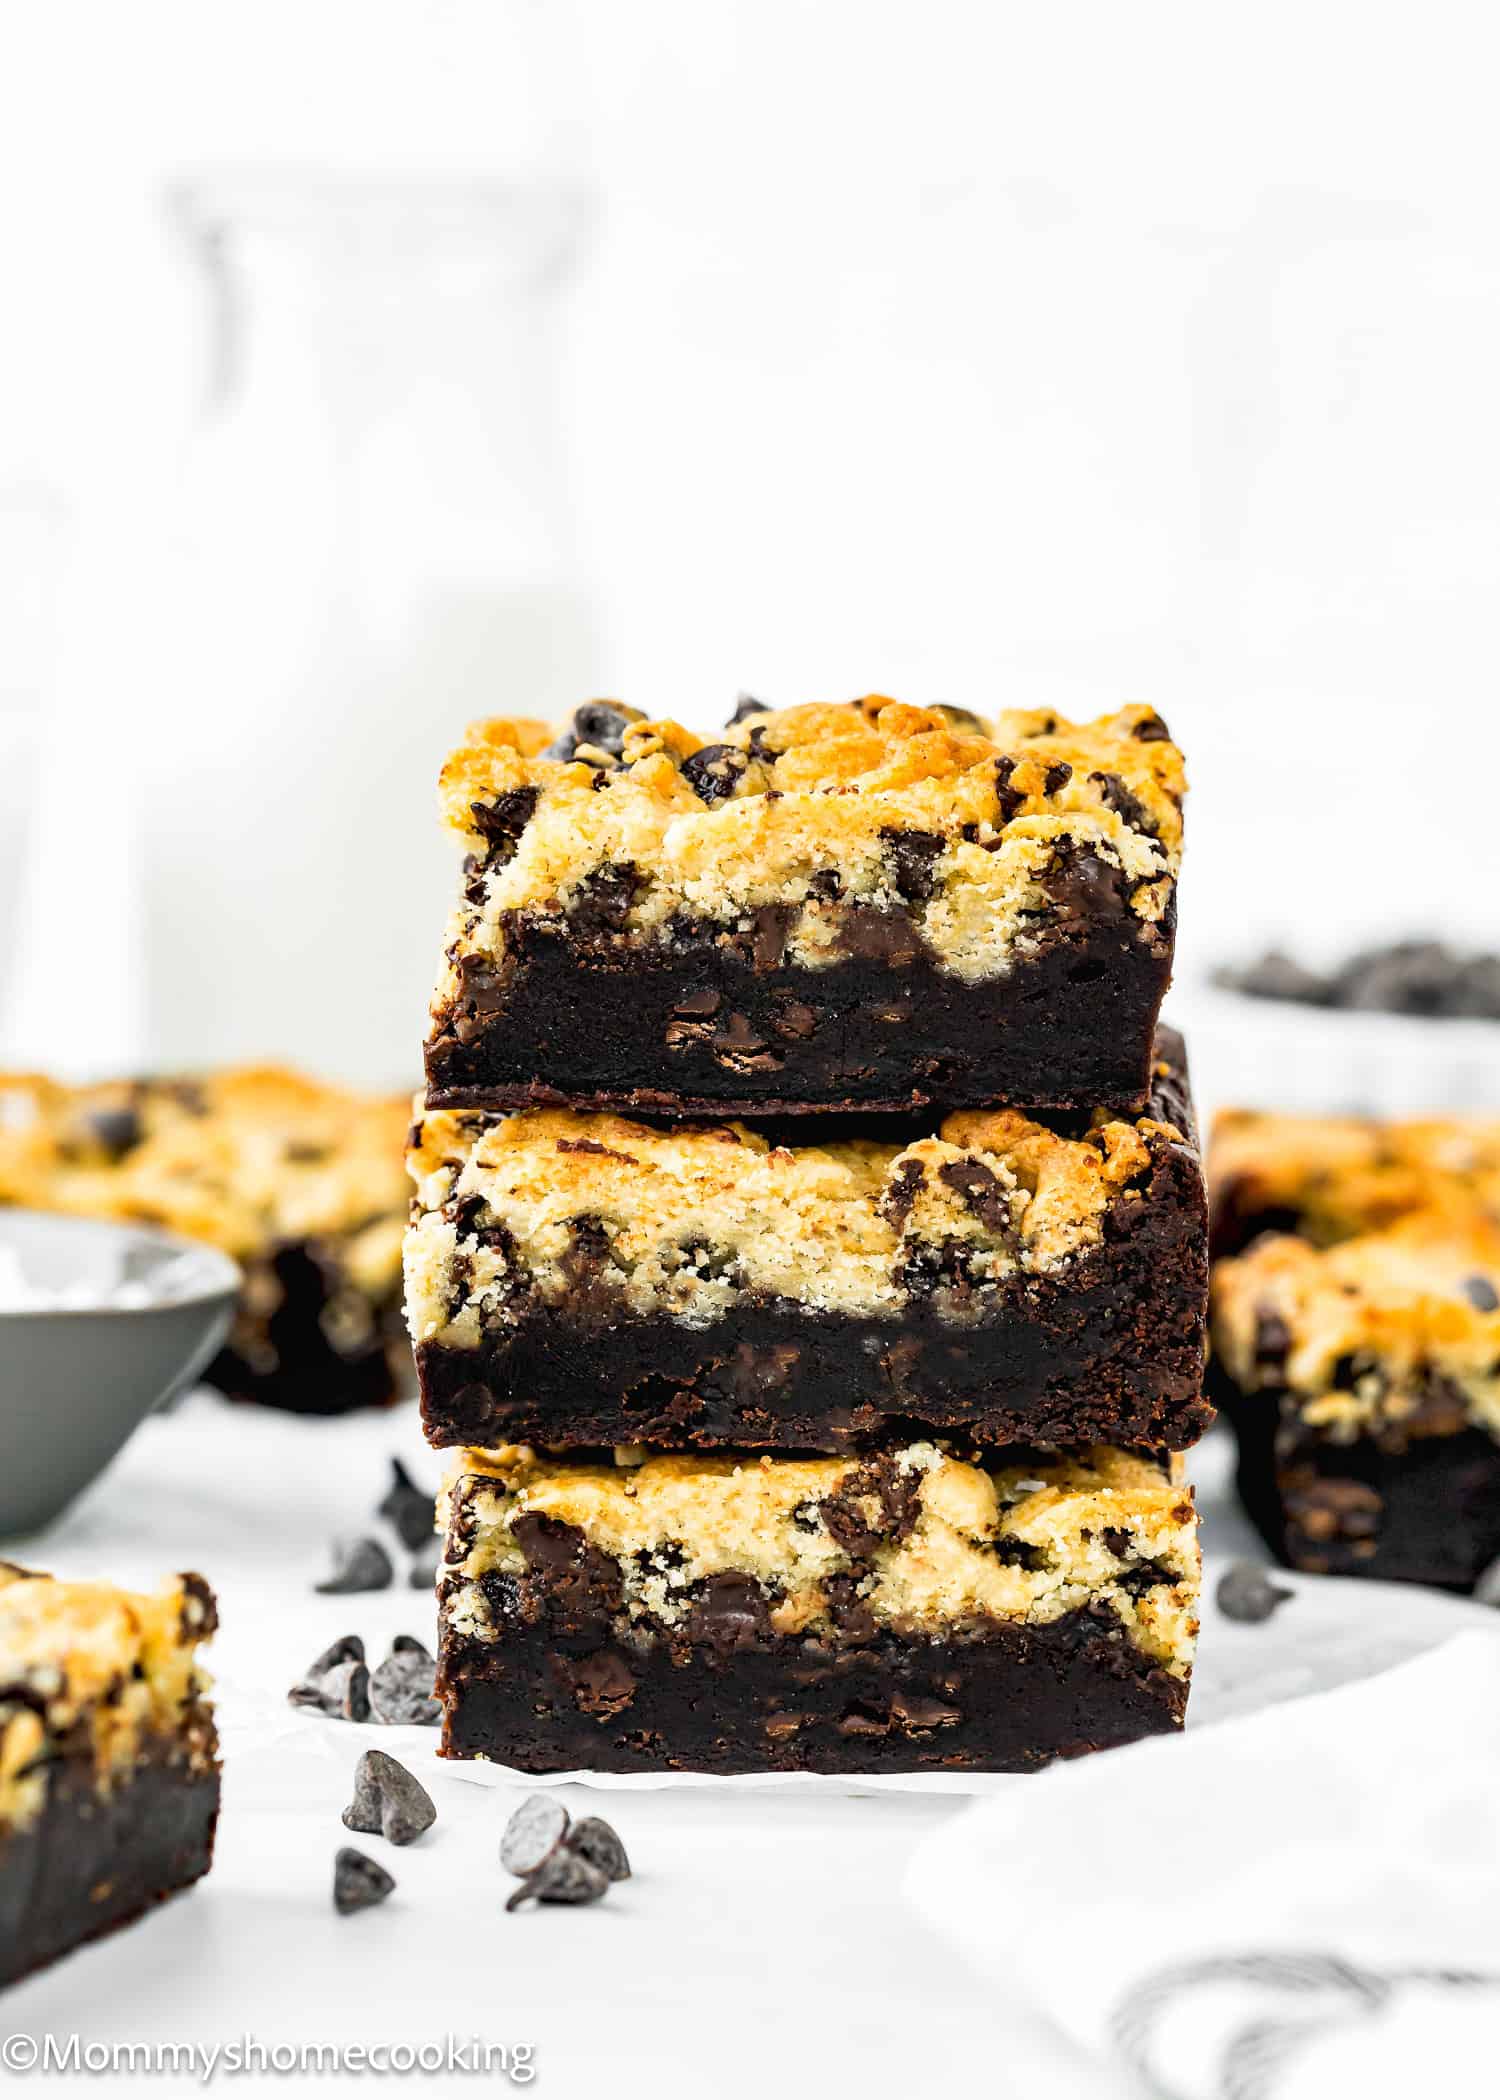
(1299,1904)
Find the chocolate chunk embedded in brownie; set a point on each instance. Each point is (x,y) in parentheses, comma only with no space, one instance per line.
(871,905)
(901,1610)
(579,1278)
(109,1775)
(302,1183)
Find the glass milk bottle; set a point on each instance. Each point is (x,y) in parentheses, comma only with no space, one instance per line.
(373,546)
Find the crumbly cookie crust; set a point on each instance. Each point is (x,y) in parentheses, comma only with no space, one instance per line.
(683,1220)
(1398,1329)
(932,1543)
(82,1657)
(814,811)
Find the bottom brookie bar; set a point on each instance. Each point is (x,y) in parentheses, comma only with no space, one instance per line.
(890,1613)
(109,1774)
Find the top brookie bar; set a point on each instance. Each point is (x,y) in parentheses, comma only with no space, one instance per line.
(578,1279)
(109,1775)
(868,906)
(301,1183)
(1328,1178)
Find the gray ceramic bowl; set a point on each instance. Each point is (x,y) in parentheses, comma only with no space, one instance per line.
(144,1314)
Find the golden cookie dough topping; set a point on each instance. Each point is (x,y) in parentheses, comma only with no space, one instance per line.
(242,1158)
(814,809)
(1343,1175)
(933,1545)
(1398,1327)
(121,1667)
(681,1220)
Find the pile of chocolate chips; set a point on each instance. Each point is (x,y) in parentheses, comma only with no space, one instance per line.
(557,1861)
(1408,977)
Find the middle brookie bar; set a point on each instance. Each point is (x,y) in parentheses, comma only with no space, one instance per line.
(891,1613)
(584,1280)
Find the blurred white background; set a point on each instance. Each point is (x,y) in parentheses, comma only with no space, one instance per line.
(975,352)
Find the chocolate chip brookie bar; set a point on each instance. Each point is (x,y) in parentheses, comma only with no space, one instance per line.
(302,1183)
(109,1775)
(1363,1381)
(828,1614)
(580,1279)
(870,905)
(1327,1178)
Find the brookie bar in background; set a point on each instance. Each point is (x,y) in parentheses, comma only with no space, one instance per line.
(302,1183)
(580,1279)
(860,906)
(109,1775)
(894,1613)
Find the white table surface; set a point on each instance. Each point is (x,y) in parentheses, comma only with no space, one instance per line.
(763,1944)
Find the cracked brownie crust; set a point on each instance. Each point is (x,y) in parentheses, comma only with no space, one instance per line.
(871,905)
(582,1279)
(826,1614)
(301,1183)
(109,1776)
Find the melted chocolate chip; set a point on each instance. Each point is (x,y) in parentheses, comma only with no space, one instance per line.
(1125,803)
(1057,776)
(1009,798)
(605,897)
(912,856)
(872,934)
(1086,888)
(729,1612)
(980,1190)
(714,772)
(602,1683)
(501,822)
(1151,729)
(599,725)
(901,1193)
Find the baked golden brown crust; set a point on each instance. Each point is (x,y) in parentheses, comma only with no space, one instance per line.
(714,830)
(934,1544)
(1335,1176)
(244,1158)
(85,1662)
(695,1214)
(1393,1328)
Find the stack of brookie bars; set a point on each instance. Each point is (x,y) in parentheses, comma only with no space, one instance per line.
(809,1249)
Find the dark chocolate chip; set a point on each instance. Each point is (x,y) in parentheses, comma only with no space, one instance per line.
(1009,798)
(714,772)
(501,822)
(729,1612)
(388,1801)
(118,1130)
(1481,1294)
(1151,729)
(826,885)
(358,1565)
(604,898)
(1126,804)
(1116,1540)
(401,1688)
(980,1190)
(349,1647)
(599,725)
(343,1693)
(423,1573)
(901,1194)
(1273,1340)
(533,1833)
(912,857)
(598,1842)
(1247,1594)
(358,1881)
(199,1614)
(1086,887)
(745,705)
(564,1877)
(407,1509)
(1057,776)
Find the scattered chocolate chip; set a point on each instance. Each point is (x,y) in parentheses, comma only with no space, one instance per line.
(358,1881)
(388,1801)
(407,1509)
(401,1688)
(1247,1594)
(358,1565)
(564,1877)
(598,1842)
(1481,1294)
(343,1693)
(714,772)
(1425,978)
(745,705)
(347,1648)
(533,1833)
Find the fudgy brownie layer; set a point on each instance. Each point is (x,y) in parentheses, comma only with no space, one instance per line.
(1111,1355)
(1005,1698)
(1402,1509)
(718,1024)
(96,1858)
(306,1340)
